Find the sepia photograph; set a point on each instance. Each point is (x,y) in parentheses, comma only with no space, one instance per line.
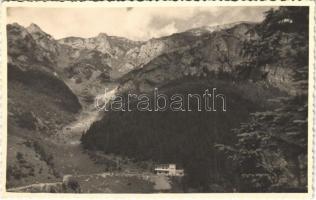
(158,99)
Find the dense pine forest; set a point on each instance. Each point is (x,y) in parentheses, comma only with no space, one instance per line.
(271,152)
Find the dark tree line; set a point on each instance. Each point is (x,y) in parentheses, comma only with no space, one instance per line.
(271,152)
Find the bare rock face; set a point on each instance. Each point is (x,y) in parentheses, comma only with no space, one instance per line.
(281,77)
(180,41)
(123,55)
(158,46)
(43,39)
(90,62)
(34,75)
(32,49)
(23,49)
(111,49)
(116,47)
(210,53)
(99,43)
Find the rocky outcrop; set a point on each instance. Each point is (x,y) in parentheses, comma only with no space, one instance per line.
(112,49)
(24,52)
(214,53)
(114,46)
(280,77)
(32,49)
(43,39)
(99,43)
(123,55)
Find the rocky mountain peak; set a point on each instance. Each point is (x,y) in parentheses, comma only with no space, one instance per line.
(102,35)
(32,28)
(15,25)
(18,29)
(38,34)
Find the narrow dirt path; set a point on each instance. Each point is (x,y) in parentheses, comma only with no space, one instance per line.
(69,155)
(161,183)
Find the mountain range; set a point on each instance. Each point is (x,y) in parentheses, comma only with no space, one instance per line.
(50,82)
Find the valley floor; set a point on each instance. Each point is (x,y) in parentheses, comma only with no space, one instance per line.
(96,172)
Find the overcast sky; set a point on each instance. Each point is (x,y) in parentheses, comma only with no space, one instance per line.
(133,23)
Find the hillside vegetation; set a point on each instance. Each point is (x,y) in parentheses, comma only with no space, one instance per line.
(257,144)
(39,104)
(271,151)
(259,68)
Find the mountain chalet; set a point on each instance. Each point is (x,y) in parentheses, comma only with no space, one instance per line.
(168,170)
